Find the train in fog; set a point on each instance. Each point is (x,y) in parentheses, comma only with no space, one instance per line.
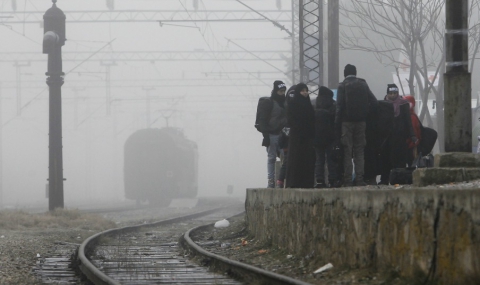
(160,165)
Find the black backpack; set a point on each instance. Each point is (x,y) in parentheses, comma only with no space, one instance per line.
(356,99)
(264,108)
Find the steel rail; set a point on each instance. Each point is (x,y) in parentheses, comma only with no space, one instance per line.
(238,268)
(98,277)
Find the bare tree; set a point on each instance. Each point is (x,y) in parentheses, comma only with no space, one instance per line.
(413,28)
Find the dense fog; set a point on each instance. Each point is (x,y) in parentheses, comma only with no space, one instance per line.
(212,101)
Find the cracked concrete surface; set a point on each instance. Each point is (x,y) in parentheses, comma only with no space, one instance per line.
(431,230)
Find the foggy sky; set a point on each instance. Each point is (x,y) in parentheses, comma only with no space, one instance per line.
(219,119)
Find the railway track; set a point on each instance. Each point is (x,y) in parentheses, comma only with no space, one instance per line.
(148,254)
(151,254)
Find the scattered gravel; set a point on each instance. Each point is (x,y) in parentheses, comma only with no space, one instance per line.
(22,240)
(235,243)
(20,246)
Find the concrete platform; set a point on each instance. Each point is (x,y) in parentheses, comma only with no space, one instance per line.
(428,176)
(457,159)
(432,231)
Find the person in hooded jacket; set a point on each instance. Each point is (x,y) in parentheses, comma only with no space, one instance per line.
(283,142)
(301,153)
(395,149)
(412,147)
(272,120)
(324,137)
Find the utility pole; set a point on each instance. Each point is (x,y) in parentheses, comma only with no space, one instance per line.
(75,105)
(1,148)
(311,43)
(295,42)
(53,40)
(18,67)
(458,82)
(108,83)
(333,44)
(147,104)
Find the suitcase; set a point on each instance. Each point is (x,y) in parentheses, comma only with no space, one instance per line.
(401,175)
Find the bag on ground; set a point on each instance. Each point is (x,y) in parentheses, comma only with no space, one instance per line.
(401,176)
(423,161)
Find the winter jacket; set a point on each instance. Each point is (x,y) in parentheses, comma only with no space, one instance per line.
(324,121)
(359,106)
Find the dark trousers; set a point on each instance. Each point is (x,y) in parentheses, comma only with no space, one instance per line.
(283,169)
(325,154)
(353,141)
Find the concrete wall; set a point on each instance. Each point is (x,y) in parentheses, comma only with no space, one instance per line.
(431,230)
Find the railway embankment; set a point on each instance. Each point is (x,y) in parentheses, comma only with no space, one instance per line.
(433,232)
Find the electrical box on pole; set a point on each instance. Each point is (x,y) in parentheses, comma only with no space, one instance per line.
(53,40)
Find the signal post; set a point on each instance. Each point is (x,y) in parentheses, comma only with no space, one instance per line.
(53,40)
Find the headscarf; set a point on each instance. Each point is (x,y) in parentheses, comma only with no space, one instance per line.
(301,115)
(324,99)
(396,105)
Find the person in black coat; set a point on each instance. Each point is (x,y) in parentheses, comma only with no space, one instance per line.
(394,150)
(324,137)
(283,142)
(301,156)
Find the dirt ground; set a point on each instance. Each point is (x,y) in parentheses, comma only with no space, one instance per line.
(26,238)
(235,243)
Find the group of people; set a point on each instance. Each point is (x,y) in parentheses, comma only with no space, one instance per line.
(342,143)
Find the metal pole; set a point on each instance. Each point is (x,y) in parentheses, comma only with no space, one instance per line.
(55,82)
(333,44)
(320,45)
(458,85)
(19,85)
(301,41)
(75,106)
(294,42)
(108,84)
(147,105)
(19,93)
(1,148)
(53,40)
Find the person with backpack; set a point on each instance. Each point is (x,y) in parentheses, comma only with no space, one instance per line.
(301,154)
(324,137)
(394,152)
(271,119)
(354,101)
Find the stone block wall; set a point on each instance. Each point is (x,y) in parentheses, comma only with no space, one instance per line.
(432,230)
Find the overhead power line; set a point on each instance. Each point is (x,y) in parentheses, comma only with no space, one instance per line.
(150,56)
(165,16)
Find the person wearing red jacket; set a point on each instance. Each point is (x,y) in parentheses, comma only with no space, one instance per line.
(416,128)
